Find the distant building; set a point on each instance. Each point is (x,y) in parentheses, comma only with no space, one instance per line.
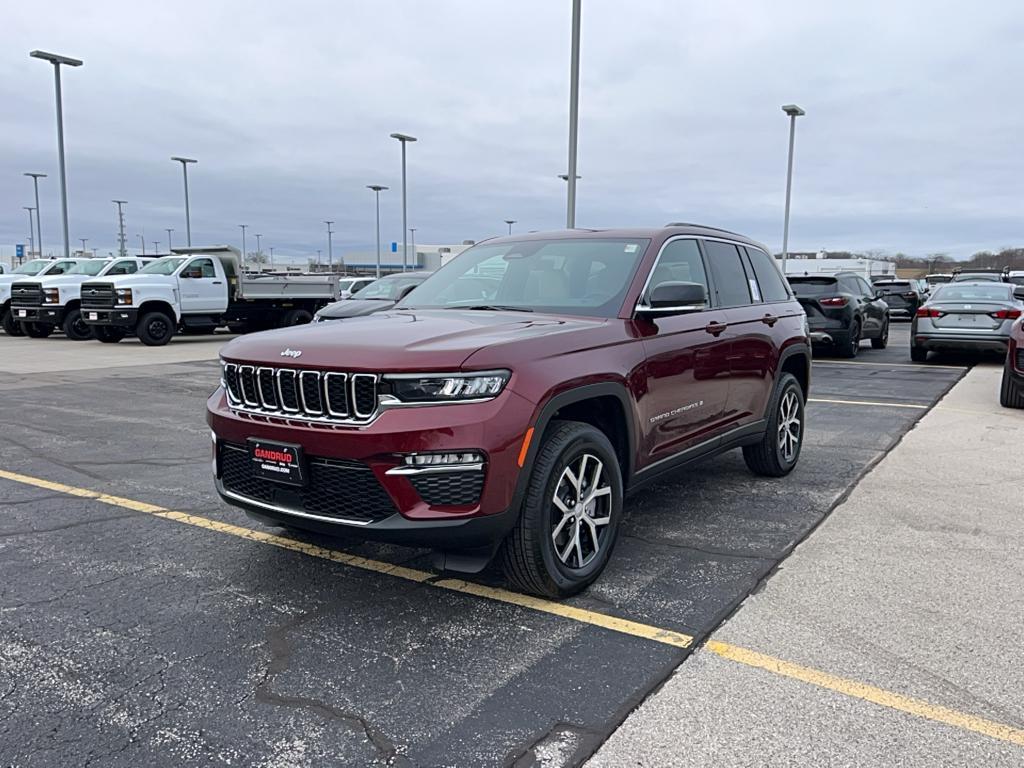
(426,258)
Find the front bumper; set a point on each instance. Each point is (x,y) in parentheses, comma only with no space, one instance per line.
(123,318)
(496,428)
(40,314)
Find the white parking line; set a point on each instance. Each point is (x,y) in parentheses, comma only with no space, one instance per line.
(915,406)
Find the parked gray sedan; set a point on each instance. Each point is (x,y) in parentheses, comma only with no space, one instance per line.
(966,316)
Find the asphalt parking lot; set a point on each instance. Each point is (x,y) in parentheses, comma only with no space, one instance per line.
(150,626)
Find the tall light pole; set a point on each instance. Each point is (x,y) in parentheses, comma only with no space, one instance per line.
(794,112)
(271,258)
(243,227)
(330,247)
(510,222)
(31,237)
(377,189)
(170,244)
(142,240)
(188,221)
(404,139)
(259,251)
(39,228)
(574,113)
(412,238)
(318,252)
(156,247)
(57,60)
(120,226)
(84,241)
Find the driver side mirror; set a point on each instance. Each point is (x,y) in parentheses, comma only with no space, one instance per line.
(675,298)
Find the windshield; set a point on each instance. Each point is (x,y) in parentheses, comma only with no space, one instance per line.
(344,285)
(31,267)
(92,268)
(164,266)
(58,267)
(579,276)
(1016,279)
(968,292)
(811,287)
(388,288)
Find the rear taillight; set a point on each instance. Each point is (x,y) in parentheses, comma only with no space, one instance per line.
(910,295)
(928,312)
(833,301)
(1006,314)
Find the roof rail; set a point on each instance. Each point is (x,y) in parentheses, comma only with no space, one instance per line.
(702,226)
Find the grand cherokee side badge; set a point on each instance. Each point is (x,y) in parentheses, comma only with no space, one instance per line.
(292,353)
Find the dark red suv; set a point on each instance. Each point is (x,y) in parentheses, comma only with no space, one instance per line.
(507,405)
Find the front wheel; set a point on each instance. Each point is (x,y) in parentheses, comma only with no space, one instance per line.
(1011,394)
(11,326)
(155,329)
(109,334)
(75,328)
(37,330)
(569,520)
(779,449)
(883,338)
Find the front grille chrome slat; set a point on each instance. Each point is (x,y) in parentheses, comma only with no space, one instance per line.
(331,397)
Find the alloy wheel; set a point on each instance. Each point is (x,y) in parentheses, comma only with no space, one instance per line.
(582,506)
(789,426)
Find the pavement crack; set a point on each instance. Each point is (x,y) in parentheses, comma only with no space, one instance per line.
(703,550)
(66,526)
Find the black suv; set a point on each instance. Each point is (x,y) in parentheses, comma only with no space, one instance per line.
(902,296)
(841,310)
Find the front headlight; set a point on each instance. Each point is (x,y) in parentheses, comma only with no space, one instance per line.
(51,296)
(124,296)
(446,387)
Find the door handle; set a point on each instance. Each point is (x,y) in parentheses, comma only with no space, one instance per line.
(769,320)
(217,282)
(715,329)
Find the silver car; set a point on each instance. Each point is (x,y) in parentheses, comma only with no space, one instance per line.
(966,316)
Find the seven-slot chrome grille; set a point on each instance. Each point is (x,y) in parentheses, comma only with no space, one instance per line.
(344,398)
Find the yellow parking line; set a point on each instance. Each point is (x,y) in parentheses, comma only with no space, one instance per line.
(916,406)
(892,365)
(865,692)
(735,653)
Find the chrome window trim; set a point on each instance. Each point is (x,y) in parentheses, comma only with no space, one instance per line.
(327,397)
(302,393)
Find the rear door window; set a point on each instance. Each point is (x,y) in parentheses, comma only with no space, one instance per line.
(769,278)
(727,271)
(814,287)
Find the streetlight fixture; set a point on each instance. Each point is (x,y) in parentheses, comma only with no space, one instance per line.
(84,241)
(170,244)
(31,237)
(120,226)
(794,112)
(510,222)
(39,228)
(330,247)
(404,139)
(574,114)
(243,227)
(377,189)
(184,170)
(57,60)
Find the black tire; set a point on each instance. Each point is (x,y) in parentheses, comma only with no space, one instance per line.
(155,329)
(109,334)
(528,556)
(918,354)
(883,338)
(1011,393)
(770,457)
(851,346)
(296,317)
(37,330)
(11,326)
(75,328)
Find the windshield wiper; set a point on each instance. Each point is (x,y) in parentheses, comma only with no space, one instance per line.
(492,307)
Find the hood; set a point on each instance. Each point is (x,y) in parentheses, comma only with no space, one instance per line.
(354,308)
(61,281)
(127,281)
(408,340)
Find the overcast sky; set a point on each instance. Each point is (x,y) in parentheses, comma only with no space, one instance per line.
(912,139)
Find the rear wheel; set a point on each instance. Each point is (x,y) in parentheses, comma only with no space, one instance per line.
(109,335)
(569,520)
(778,451)
(296,317)
(883,338)
(851,346)
(11,326)
(918,354)
(37,330)
(1011,394)
(155,329)
(75,328)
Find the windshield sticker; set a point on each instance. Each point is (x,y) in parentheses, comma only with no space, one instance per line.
(631,248)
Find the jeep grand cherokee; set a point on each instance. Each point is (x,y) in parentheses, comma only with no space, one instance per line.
(508,404)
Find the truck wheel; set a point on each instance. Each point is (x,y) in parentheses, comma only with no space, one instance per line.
(778,451)
(75,328)
(155,329)
(569,519)
(37,330)
(296,317)
(11,326)
(1011,394)
(109,335)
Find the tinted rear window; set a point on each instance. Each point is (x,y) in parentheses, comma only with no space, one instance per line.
(809,288)
(894,287)
(975,292)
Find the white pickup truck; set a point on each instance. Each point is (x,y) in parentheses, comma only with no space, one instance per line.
(197,290)
(33,268)
(44,303)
